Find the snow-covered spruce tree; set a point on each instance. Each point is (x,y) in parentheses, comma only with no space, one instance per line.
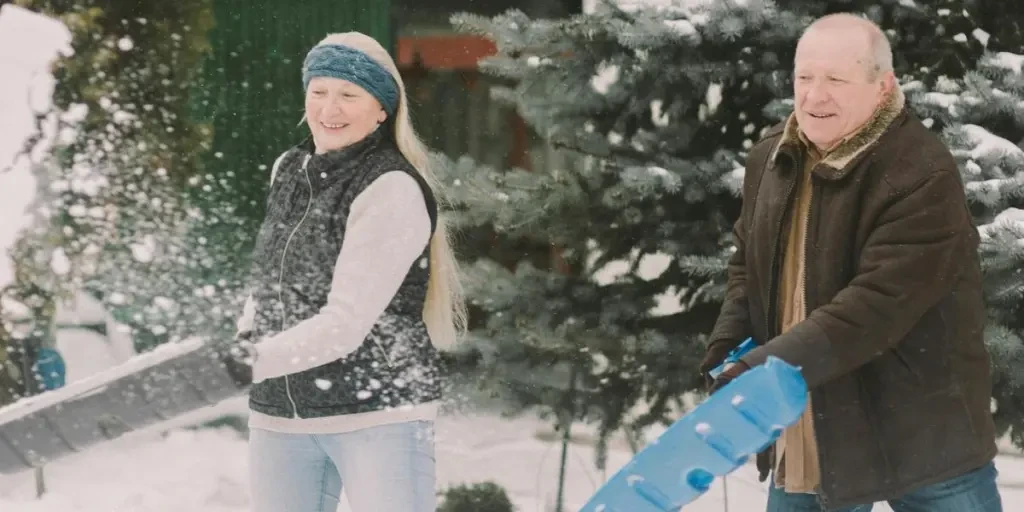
(656,108)
(121,151)
(984,113)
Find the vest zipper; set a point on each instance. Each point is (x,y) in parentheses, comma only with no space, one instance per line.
(280,275)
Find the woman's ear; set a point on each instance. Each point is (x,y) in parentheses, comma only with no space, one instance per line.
(382,117)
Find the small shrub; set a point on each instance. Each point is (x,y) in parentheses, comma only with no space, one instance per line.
(481,497)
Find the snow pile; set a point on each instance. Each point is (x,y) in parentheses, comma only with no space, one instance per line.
(1010,61)
(13,211)
(988,146)
(997,164)
(636,5)
(607,76)
(684,28)
(185,470)
(648,266)
(29,43)
(1011,219)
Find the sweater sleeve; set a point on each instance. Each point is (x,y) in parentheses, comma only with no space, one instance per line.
(387,229)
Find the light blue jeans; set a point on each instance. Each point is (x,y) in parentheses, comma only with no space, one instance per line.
(389,468)
(974,491)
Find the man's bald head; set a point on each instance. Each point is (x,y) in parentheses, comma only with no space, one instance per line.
(841,74)
(879,51)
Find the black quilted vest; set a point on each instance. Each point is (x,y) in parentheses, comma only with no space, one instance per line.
(293,263)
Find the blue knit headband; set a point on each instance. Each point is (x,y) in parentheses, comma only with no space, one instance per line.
(337,61)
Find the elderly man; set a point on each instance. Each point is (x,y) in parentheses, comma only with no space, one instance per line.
(856,260)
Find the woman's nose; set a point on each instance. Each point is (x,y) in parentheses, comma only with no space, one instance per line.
(333,104)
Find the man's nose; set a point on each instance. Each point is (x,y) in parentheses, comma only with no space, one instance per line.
(816,93)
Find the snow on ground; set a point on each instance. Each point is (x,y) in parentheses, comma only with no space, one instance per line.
(174,467)
(206,470)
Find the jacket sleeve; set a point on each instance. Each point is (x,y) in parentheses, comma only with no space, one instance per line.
(387,229)
(912,258)
(733,324)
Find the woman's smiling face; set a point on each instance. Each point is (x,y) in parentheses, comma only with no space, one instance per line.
(340,113)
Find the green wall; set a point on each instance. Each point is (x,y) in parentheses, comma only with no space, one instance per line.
(252,93)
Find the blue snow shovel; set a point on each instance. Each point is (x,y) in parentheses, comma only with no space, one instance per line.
(733,356)
(741,419)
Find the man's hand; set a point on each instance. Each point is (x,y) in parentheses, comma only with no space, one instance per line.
(714,356)
(731,372)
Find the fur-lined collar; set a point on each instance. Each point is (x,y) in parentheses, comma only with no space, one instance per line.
(836,163)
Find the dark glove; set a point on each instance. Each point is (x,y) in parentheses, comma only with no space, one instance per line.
(713,357)
(728,375)
(238,359)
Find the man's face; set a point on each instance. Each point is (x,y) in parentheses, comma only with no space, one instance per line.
(833,89)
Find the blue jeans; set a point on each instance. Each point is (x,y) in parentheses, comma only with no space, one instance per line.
(974,491)
(388,468)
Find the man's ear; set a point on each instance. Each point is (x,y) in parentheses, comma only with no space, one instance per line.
(888,80)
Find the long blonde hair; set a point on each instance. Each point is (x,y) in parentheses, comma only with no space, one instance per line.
(445,308)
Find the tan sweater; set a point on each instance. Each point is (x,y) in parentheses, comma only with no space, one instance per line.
(798,471)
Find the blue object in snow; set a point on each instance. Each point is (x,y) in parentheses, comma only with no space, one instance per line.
(734,355)
(741,419)
(50,368)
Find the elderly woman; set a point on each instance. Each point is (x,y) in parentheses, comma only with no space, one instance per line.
(353,286)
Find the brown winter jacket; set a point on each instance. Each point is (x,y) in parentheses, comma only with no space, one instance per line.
(892,345)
